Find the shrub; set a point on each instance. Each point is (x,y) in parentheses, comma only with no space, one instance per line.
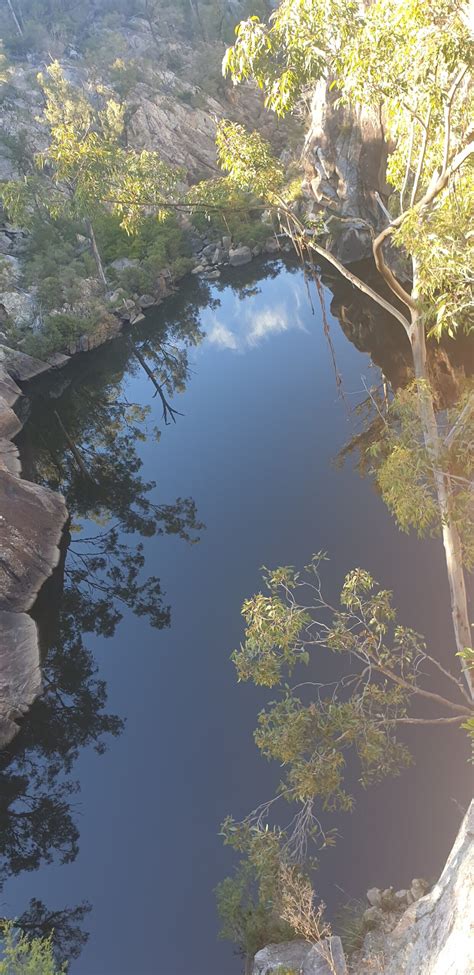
(56,335)
(138,279)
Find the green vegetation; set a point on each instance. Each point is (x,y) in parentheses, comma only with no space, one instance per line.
(320,732)
(404,467)
(48,26)
(24,956)
(350,925)
(411,62)
(83,203)
(248,913)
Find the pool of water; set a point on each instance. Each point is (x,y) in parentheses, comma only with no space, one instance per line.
(268,404)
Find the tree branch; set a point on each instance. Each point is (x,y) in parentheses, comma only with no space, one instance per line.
(437,184)
(421,158)
(408,165)
(418,691)
(447,115)
(429,721)
(358,283)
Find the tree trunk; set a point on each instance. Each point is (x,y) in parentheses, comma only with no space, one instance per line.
(15,18)
(97,257)
(451,539)
(194,4)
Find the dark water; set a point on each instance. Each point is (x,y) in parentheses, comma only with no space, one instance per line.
(263,421)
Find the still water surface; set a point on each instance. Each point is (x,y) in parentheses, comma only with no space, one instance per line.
(263,420)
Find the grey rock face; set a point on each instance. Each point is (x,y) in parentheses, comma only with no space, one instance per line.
(9,458)
(418,888)
(218,255)
(32,518)
(31,522)
(146,301)
(5,243)
(345,153)
(9,391)
(374,897)
(241,255)
(20,676)
(271,245)
(435,935)
(326,958)
(19,306)
(10,424)
(400,898)
(121,263)
(10,271)
(19,365)
(209,250)
(105,330)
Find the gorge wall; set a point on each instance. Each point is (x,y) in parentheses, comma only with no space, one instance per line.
(433,936)
(31,522)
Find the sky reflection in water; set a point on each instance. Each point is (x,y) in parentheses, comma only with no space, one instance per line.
(255,451)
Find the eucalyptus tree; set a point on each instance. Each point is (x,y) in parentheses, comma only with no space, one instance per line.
(321,732)
(86,166)
(412,61)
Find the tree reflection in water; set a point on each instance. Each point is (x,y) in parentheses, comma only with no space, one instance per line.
(91,455)
(102,572)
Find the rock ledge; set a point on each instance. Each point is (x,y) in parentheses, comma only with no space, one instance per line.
(31,523)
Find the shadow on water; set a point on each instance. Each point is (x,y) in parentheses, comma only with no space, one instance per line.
(81,439)
(89,434)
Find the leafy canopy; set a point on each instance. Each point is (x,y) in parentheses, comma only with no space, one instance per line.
(89,166)
(22,956)
(405,469)
(409,60)
(350,723)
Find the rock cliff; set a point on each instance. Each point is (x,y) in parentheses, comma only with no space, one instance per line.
(31,522)
(433,936)
(345,157)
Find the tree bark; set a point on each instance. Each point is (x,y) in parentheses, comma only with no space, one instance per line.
(97,257)
(15,18)
(450,534)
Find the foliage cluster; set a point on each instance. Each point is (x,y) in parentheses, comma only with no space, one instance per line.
(249,916)
(26,956)
(83,202)
(404,467)
(156,244)
(412,61)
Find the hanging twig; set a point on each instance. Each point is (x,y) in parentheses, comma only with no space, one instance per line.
(168,410)
(75,452)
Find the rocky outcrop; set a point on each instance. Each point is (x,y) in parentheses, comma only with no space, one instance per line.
(241,255)
(435,935)
(20,673)
(345,156)
(31,522)
(324,958)
(30,529)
